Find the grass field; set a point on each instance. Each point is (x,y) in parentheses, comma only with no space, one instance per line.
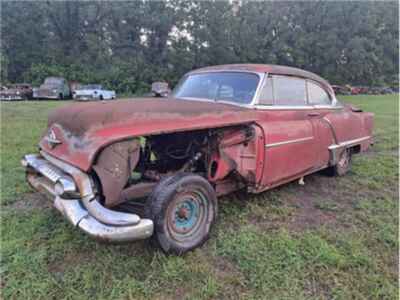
(333,238)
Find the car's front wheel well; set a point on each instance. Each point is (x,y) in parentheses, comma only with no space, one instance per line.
(226,157)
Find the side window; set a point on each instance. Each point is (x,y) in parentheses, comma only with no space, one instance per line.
(317,95)
(289,90)
(267,93)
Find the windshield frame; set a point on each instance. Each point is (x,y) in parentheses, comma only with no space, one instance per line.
(260,75)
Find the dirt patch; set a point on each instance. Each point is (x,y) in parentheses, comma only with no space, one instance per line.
(30,202)
(70,260)
(231,281)
(319,202)
(314,204)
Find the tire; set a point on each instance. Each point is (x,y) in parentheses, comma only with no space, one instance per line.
(60,97)
(183,208)
(343,165)
(101,97)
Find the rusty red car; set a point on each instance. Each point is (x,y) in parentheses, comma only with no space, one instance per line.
(153,167)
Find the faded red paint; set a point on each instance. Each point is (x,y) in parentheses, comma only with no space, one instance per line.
(284,144)
(85,128)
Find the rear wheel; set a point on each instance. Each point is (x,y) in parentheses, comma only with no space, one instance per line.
(101,97)
(183,208)
(343,165)
(60,96)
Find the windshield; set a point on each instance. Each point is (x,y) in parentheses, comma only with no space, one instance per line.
(53,81)
(238,87)
(90,87)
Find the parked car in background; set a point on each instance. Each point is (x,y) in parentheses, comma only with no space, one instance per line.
(355,90)
(73,86)
(160,89)
(53,88)
(93,92)
(341,90)
(19,91)
(223,128)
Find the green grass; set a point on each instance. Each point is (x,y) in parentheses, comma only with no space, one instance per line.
(334,238)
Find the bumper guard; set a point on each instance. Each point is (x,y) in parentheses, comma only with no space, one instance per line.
(44,172)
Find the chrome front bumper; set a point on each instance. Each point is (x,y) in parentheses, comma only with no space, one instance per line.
(82,209)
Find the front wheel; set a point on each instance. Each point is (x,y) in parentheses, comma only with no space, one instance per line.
(183,208)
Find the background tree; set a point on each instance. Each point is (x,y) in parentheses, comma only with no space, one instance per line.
(126,45)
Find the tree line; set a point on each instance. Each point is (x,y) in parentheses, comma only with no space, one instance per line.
(126,45)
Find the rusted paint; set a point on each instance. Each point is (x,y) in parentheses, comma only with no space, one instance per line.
(232,146)
(237,151)
(137,191)
(114,166)
(89,127)
(95,126)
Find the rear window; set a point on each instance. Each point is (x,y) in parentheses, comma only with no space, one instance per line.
(317,95)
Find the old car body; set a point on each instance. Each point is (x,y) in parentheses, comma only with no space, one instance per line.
(19,91)
(93,92)
(53,88)
(223,128)
(73,86)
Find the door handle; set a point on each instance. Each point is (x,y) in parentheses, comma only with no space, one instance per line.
(313,114)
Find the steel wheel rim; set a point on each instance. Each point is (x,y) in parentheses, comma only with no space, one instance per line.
(187,214)
(344,160)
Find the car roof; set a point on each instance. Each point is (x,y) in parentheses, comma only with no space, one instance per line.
(265,68)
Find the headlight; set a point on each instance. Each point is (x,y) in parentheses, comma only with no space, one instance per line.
(18,93)
(54,91)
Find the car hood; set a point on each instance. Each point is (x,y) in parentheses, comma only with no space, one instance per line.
(85,128)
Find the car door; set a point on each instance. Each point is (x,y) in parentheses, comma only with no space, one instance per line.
(290,137)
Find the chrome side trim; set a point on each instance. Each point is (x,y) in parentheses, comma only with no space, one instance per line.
(294,107)
(327,121)
(348,143)
(289,142)
(335,149)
